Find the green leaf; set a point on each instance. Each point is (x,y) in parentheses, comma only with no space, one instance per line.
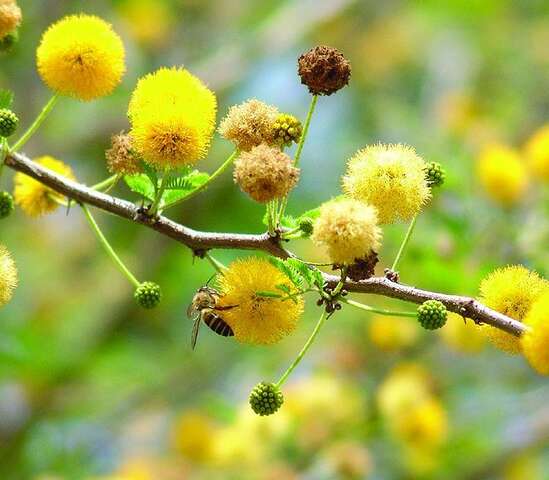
(290,271)
(6,98)
(285,288)
(151,173)
(191,181)
(141,184)
(263,293)
(312,214)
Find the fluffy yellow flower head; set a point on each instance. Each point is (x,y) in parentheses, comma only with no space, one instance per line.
(392,334)
(81,56)
(34,198)
(502,174)
(389,177)
(347,229)
(537,152)
(257,319)
(173,118)
(10,17)
(535,342)
(512,291)
(462,336)
(8,276)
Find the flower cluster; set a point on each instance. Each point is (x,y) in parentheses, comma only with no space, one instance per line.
(121,158)
(8,276)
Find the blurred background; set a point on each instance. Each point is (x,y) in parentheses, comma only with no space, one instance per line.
(92,387)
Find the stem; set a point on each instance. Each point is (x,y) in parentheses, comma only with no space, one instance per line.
(36,124)
(341,283)
(107,246)
(159,194)
(291,232)
(306,347)
(3,152)
(404,243)
(215,263)
(300,145)
(226,164)
(270,217)
(107,183)
(381,311)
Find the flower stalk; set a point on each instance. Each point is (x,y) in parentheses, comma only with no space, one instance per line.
(404,243)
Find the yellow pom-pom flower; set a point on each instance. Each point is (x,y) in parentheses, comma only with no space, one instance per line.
(8,276)
(254,318)
(81,56)
(10,17)
(502,174)
(34,198)
(173,118)
(535,342)
(347,229)
(512,291)
(537,152)
(389,177)
(462,335)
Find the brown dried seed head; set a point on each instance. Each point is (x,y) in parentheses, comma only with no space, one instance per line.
(10,17)
(249,124)
(324,70)
(121,157)
(265,173)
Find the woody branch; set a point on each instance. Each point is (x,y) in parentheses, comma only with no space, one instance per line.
(202,241)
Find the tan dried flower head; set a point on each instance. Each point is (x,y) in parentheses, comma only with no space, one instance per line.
(121,158)
(10,17)
(265,173)
(348,230)
(324,70)
(249,124)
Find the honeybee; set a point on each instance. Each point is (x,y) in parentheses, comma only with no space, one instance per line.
(204,308)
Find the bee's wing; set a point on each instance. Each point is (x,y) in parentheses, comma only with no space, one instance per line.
(191,310)
(196,328)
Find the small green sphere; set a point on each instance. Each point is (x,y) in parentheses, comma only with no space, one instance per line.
(306,225)
(287,129)
(6,205)
(435,174)
(266,399)
(8,122)
(148,295)
(432,314)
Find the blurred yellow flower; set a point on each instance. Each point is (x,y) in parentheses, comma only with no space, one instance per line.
(81,56)
(502,174)
(525,466)
(537,152)
(510,290)
(173,118)
(392,333)
(193,435)
(348,460)
(256,319)
(34,198)
(390,178)
(10,17)
(535,342)
(8,276)
(148,21)
(462,336)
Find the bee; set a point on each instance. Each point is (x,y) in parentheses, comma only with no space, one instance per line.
(204,308)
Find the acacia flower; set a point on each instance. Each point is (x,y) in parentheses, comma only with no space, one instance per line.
(8,276)
(347,229)
(249,124)
(510,290)
(120,157)
(265,173)
(324,70)
(389,177)
(35,198)
(502,174)
(537,152)
(257,319)
(10,17)
(535,342)
(81,56)
(172,114)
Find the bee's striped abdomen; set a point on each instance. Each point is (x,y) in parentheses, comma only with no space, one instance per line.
(217,324)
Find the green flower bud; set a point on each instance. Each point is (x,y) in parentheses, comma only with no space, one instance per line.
(8,122)
(148,295)
(435,174)
(306,225)
(266,399)
(6,205)
(287,129)
(432,314)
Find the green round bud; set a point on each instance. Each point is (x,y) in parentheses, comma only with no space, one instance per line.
(6,205)
(306,225)
(8,122)
(148,295)
(435,174)
(8,41)
(287,129)
(266,399)
(432,314)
